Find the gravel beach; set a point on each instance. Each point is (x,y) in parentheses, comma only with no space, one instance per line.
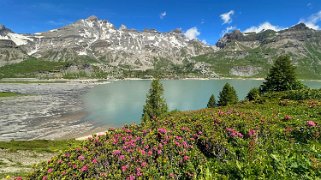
(45,111)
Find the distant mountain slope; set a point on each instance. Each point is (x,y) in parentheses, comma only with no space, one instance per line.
(96,44)
(251,54)
(99,40)
(9,51)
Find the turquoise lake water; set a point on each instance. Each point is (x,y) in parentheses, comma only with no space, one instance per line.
(121,102)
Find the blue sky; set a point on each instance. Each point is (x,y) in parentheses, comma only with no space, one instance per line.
(203,19)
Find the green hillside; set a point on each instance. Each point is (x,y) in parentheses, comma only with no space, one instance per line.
(275,137)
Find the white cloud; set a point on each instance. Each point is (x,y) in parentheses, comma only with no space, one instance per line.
(227,17)
(309,5)
(263,26)
(312,21)
(162,15)
(204,41)
(227,30)
(192,33)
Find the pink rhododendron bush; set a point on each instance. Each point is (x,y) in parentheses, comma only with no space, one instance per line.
(129,153)
(267,139)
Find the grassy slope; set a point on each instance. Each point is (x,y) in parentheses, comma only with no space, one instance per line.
(222,61)
(8,94)
(36,150)
(282,147)
(40,145)
(29,68)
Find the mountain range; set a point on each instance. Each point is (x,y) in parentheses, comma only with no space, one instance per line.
(92,45)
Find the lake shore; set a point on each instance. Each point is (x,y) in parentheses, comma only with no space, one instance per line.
(44,110)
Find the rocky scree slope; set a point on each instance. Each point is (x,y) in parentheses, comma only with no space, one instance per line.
(251,54)
(100,42)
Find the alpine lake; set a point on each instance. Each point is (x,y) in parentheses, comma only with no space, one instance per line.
(121,102)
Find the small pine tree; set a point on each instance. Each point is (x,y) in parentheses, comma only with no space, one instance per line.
(227,96)
(281,76)
(253,94)
(155,103)
(211,102)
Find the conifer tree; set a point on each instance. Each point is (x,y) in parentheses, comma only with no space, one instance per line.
(155,103)
(211,102)
(281,76)
(227,95)
(253,94)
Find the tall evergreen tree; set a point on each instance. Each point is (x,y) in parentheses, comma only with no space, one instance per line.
(227,95)
(281,76)
(253,94)
(211,102)
(155,103)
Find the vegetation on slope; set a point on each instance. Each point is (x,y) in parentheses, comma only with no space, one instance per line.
(40,145)
(18,157)
(272,138)
(8,94)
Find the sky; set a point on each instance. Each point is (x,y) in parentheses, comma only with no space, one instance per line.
(206,20)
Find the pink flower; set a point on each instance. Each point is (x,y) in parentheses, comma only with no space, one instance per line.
(240,135)
(252,132)
(139,173)
(200,132)
(287,117)
(150,153)
(220,113)
(131,177)
(63,173)
(74,166)
(84,168)
(234,133)
(311,123)
(124,168)
(142,152)
(44,178)
(81,158)
(171,175)
(59,161)
(18,178)
(67,155)
(162,130)
(159,152)
(50,170)
(185,144)
(116,152)
(144,164)
(185,129)
(94,161)
(121,157)
(185,158)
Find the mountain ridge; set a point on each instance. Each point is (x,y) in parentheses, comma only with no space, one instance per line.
(99,43)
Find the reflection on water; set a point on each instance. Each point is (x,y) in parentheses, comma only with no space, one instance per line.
(121,102)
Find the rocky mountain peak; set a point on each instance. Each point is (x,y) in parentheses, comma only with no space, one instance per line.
(4,31)
(122,27)
(92,18)
(299,27)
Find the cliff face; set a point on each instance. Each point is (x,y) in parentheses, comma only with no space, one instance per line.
(257,51)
